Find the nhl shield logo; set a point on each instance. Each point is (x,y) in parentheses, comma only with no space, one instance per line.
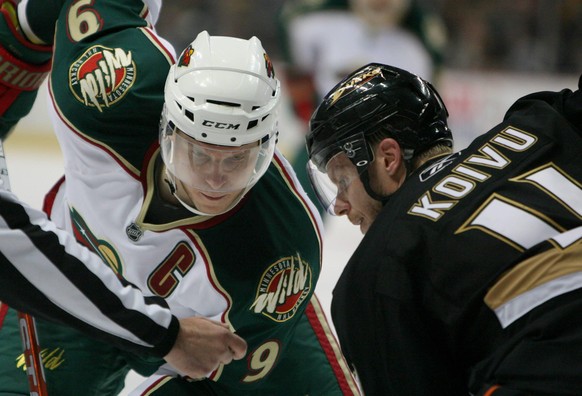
(133,232)
(102,76)
(283,288)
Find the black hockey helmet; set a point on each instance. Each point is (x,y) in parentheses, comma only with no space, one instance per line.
(379,100)
(374,102)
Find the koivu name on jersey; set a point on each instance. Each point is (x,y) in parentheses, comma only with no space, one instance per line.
(464,177)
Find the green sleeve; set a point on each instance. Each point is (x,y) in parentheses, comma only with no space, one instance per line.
(41,16)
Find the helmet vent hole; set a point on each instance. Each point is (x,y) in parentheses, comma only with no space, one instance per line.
(255,108)
(263,119)
(204,135)
(233,139)
(190,115)
(222,103)
(252,124)
(192,99)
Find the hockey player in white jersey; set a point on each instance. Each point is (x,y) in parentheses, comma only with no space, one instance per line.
(200,208)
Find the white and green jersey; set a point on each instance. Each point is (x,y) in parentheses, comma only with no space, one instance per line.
(254,267)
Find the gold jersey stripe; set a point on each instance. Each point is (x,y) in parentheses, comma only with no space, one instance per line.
(534,281)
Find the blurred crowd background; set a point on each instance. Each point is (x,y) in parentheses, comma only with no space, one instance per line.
(519,35)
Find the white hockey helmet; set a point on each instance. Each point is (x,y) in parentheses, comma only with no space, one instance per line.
(222,91)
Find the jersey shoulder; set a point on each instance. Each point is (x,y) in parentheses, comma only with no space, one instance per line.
(108,78)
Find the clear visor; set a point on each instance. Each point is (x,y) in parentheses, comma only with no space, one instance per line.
(212,168)
(331,180)
(335,182)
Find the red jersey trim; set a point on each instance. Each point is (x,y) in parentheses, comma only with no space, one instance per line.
(330,346)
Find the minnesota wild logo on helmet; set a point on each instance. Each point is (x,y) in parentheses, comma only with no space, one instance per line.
(186,56)
(269,66)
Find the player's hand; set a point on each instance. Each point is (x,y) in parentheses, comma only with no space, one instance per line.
(202,345)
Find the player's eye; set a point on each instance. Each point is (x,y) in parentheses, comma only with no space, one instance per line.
(235,161)
(197,156)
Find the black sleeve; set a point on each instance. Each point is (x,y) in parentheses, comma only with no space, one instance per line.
(567,103)
(573,107)
(45,272)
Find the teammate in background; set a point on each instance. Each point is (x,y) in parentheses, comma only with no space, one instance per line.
(325,40)
(469,277)
(199,208)
(91,298)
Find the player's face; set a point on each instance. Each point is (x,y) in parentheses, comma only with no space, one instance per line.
(352,200)
(212,177)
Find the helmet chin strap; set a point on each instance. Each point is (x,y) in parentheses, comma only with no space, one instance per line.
(172,185)
(365,178)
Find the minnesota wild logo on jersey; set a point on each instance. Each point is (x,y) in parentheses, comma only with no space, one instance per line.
(283,287)
(102,76)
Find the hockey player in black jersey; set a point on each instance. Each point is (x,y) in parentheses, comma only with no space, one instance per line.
(469,278)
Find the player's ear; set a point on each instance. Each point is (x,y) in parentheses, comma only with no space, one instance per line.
(390,155)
